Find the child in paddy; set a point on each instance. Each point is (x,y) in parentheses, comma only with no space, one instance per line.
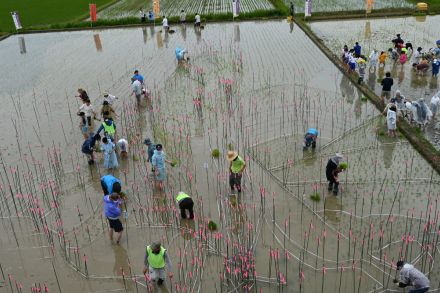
(108,149)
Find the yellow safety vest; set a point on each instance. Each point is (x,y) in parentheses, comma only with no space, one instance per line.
(156,261)
(237,165)
(182,196)
(109,129)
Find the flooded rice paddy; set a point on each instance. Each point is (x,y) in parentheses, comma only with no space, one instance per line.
(377,34)
(350,5)
(253,87)
(128,8)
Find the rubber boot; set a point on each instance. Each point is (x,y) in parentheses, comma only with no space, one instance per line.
(330,186)
(335,190)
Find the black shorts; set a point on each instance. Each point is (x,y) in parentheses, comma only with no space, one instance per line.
(115,225)
(234,179)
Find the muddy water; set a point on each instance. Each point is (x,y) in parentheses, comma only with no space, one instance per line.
(255,87)
(377,34)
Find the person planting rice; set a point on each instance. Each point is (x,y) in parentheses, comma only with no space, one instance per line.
(157,262)
(422,67)
(181,55)
(310,138)
(332,170)
(158,161)
(410,276)
(107,111)
(110,184)
(236,168)
(150,151)
(109,98)
(88,147)
(112,211)
(108,149)
(109,128)
(185,203)
(123,147)
(136,89)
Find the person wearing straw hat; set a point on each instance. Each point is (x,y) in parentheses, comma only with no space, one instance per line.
(185,203)
(236,168)
(331,171)
(410,276)
(155,261)
(109,98)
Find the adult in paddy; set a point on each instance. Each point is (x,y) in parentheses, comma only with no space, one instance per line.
(236,168)
(157,262)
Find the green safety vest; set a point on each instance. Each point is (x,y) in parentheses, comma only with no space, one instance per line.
(237,165)
(156,261)
(109,129)
(182,196)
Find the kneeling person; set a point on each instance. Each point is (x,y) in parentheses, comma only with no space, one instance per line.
(185,203)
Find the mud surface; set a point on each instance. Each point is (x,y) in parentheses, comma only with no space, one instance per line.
(252,87)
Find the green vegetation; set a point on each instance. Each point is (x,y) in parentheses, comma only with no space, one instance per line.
(343,166)
(230,147)
(315,196)
(174,163)
(45,12)
(212,226)
(215,153)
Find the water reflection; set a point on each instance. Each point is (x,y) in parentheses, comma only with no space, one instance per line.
(236,33)
(98,43)
(159,40)
(144,34)
(183,31)
(332,207)
(198,32)
(121,265)
(347,89)
(22,44)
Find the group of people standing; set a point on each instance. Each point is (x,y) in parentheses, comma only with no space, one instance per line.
(416,111)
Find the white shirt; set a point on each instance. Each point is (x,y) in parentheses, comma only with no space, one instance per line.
(165,22)
(136,86)
(435,100)
(123,144)
(88,110)
(110,99)
(182,16)
(197,18)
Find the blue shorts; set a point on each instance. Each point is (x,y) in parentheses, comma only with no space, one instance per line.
(352,66)
(85,129)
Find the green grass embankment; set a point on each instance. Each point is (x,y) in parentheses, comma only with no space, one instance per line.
(45,12)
